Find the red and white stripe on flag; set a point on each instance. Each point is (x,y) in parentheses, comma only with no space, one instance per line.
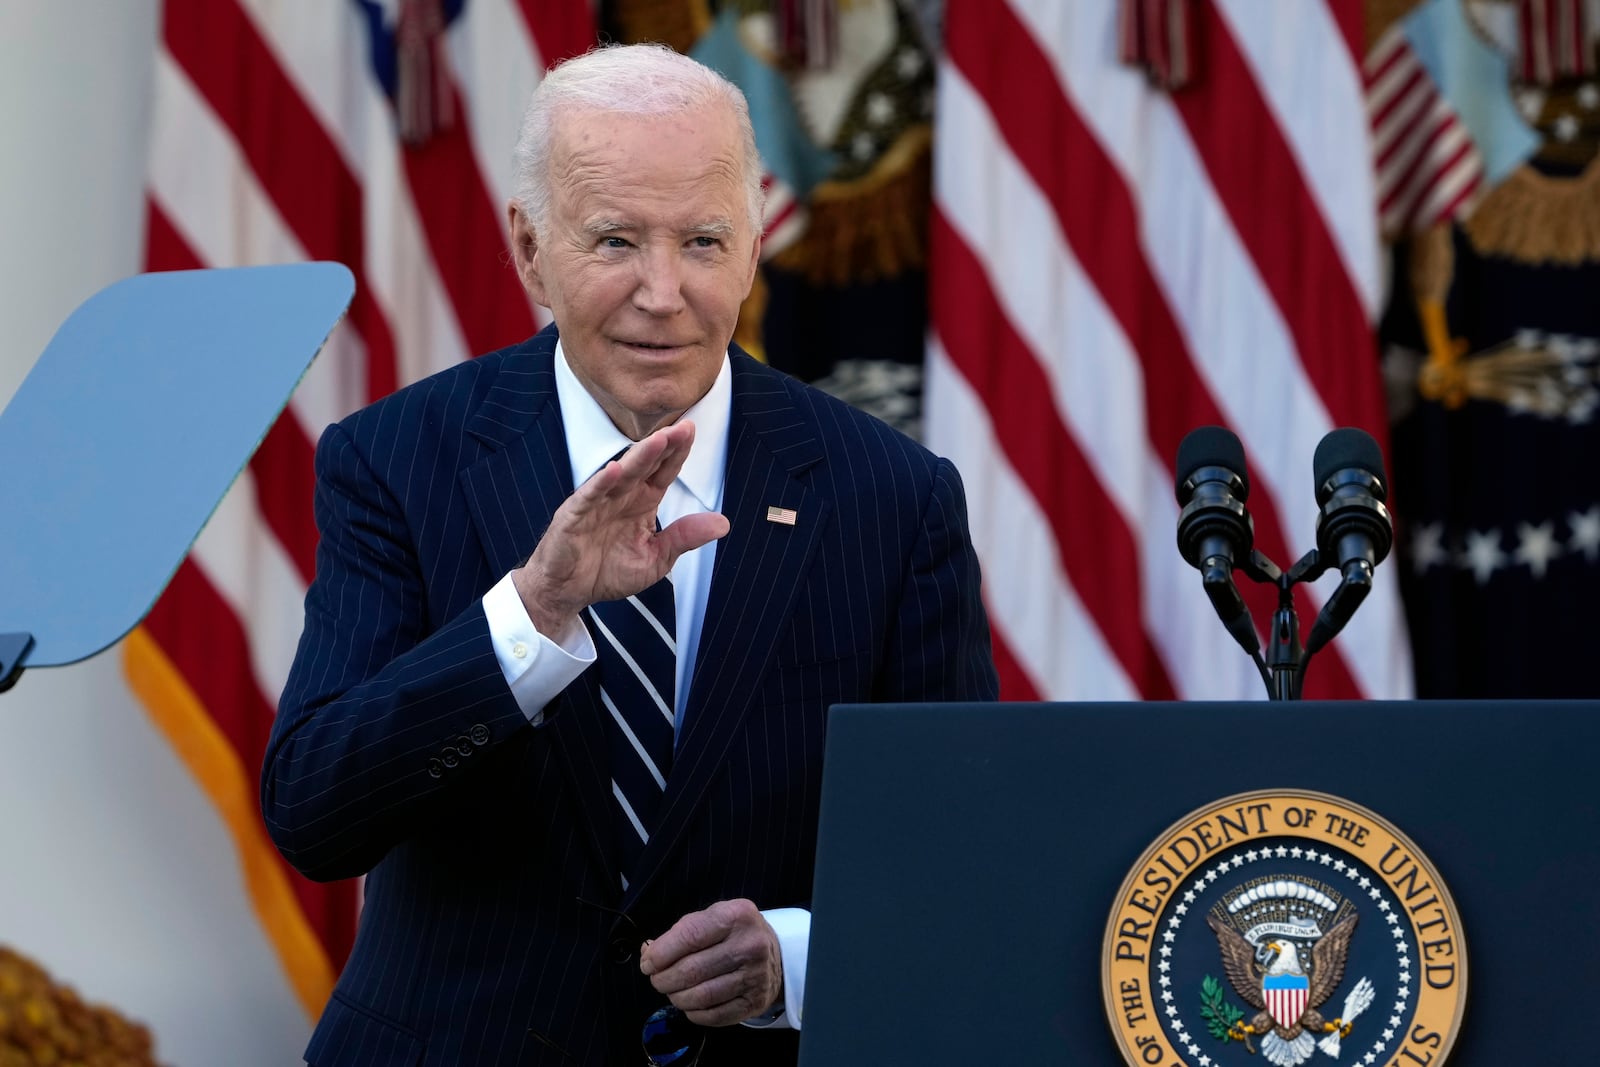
(1113,265)
(275,139)
(1557,39)
(1428,168)
(1286,1002)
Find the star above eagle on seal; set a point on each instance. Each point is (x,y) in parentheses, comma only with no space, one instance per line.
(1287,991)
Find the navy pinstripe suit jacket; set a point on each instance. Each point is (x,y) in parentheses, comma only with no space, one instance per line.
(494,929)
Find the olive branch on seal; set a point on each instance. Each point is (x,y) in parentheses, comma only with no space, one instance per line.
(1217,1012)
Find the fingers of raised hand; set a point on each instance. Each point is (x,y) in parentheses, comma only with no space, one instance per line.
(689,533)
(602,543)
(679,439)
(655,461)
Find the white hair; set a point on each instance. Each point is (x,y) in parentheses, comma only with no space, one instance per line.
(638,79)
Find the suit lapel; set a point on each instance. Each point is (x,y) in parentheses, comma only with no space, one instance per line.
(758,572)
(514,490)
(512,493)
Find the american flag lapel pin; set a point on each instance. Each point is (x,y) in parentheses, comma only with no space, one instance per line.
(782,516)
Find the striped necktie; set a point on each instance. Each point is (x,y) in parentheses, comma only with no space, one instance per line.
(638,653)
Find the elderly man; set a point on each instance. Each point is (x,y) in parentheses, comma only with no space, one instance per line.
(581,606)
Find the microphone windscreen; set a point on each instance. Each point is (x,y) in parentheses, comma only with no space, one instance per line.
(1347,448)
(1211,446)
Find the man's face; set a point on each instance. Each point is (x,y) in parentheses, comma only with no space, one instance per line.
(646,257)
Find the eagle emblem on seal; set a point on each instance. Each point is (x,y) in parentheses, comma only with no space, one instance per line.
(1284,943)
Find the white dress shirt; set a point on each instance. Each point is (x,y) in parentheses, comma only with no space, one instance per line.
(538,666)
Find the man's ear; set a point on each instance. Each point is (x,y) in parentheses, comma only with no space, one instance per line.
(525,250)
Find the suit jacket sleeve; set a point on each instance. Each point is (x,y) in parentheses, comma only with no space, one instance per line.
(939,643)
(380,718)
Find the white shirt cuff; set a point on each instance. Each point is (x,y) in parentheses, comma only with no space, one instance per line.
(793,927)
(536,666)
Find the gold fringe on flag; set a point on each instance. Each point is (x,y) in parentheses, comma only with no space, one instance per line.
(194,735)
(1536,218)
(747,331)
(871,227)
(1381,14)
(675,23)
(862,229)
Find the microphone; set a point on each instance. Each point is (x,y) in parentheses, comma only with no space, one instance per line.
(1353,527)
(1214,528)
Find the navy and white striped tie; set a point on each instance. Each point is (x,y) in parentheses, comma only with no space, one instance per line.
(638,653)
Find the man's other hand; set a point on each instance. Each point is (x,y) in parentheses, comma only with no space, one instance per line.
(602,543)
(720,966)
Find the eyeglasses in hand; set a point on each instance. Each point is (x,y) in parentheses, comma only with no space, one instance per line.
(670,1039)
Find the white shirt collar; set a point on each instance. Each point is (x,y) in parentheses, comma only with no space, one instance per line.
(593,439)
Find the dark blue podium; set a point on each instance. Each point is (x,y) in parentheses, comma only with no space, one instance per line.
(971,858)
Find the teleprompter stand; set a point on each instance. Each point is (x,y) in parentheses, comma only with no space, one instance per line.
(126,434)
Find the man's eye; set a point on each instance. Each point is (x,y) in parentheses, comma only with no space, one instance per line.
(614,242)
(706,242)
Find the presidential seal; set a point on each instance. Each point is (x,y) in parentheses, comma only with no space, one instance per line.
(1287,927)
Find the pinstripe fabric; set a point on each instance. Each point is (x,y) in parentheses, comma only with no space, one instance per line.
(494,929)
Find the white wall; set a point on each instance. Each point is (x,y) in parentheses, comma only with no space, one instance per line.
(115,872)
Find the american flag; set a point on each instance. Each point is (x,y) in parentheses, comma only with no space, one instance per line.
(1115,262)
(1557,39)
(277,136)
(1428,168)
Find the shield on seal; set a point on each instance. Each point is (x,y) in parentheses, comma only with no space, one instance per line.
(1286,997)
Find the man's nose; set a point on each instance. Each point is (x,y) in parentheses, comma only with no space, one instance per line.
(660,288)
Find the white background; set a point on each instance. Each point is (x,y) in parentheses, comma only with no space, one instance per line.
(115,872)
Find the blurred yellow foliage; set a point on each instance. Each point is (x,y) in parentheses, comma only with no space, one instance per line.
(43,1024)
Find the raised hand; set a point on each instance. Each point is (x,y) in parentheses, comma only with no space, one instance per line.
(602,543)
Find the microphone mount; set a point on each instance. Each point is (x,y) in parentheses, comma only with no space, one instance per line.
(1354,534)
(1286,659)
